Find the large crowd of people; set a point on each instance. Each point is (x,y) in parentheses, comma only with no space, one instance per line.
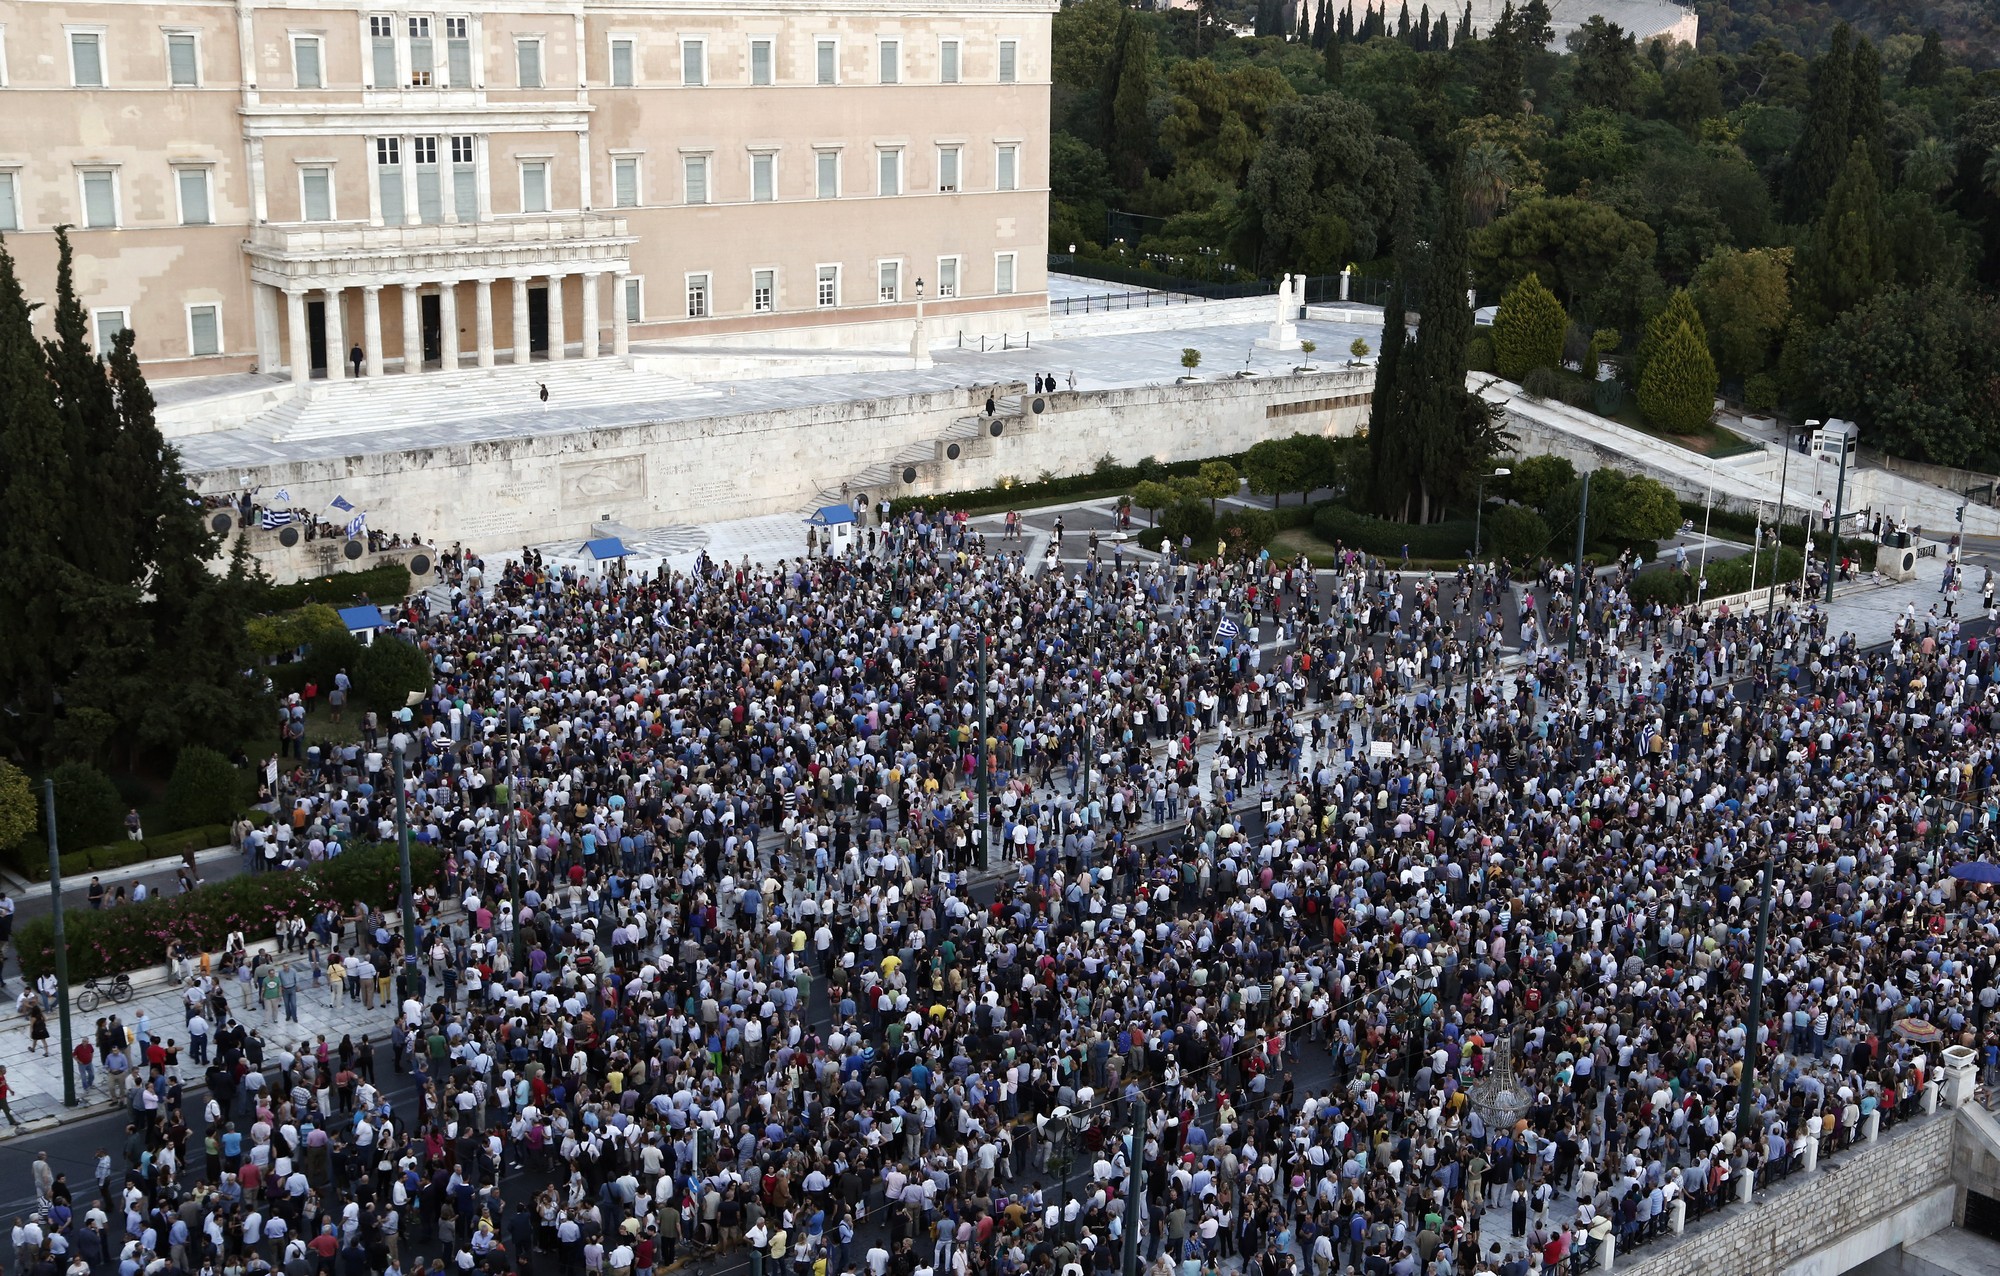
(1289,874)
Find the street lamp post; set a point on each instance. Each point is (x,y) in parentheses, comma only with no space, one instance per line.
(1744,1088)
(1839,496)
(1582,521)
(1479,507)
(61,946)
(920,342)
(985,814)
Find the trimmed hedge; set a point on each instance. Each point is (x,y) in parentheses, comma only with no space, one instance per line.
(387,583)
(1743,527)
(1725,577)
(115,855)
(113,940)
(1103,480)
(1336,524)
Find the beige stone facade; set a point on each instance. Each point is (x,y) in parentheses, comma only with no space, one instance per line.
(269,187)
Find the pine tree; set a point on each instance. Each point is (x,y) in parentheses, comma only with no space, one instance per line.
(1537,24)
(1528,329)
(1500,90)
(1131,131)
(1677,392)
(1304,34)
(1374,23)
(1323,24)
(1928,67)
(1822,145)
(1344,32)
(1420,34)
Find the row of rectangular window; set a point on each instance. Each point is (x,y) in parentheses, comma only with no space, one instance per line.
(407,55)
(204,319)
(889,285)
(99,192)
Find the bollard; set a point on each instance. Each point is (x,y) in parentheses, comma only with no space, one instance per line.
(1871,1127)
(1930,1099)
(1610,1255)
(1809,1154)
(1677,1216)
(1746,1183)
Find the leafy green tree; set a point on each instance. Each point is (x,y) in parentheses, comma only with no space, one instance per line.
(1605,73)
(1215,122)
(1646,510)
(1082,40)
(89,811)
(1187,518)
(1864,112)
(1929,167)
(1273,467)
(1540,483)
(1745,299)
(1501,88)
(1326,185)
(1333,55)
(18,809)
(1575,246)
(1537,25)
(1152,496)
(1677,389)
(1489,175)
(1528,329)
(1913,367)
(1218,479)
(204,789)
(1515,533)
(1850,257)
(389,669)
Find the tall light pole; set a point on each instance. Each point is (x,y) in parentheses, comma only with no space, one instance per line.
(1582,521)
(60,944)
(1135,1183)
(409,894)
(1744,1087)
(1479,507)
(1839,496)
(1778,533)
(985,816)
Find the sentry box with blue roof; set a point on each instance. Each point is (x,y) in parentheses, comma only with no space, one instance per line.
(362,622)
(605,547)
(836,524)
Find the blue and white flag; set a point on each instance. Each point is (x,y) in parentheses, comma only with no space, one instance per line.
(1227,630)
(342,503)
(276,518)
(285,494)
(357,523)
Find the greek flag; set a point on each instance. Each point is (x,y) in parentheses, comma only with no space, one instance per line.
(1227,630)
(285,494)
(276,518)
(357,523)
(343,504)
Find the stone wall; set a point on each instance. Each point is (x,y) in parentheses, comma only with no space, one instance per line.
(1881,1195)
(1178,422)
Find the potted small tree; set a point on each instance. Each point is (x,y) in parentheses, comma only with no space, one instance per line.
(1306,348)
(1190,359)
(1359,350)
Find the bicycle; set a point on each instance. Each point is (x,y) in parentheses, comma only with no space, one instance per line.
(118,989)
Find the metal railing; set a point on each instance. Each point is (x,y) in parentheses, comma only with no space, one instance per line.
(1104,303)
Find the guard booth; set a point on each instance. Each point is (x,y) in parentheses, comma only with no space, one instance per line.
(362,622)
(1833,439)
(836,524)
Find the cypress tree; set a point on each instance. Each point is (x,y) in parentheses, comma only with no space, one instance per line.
(1677,392)
(1441,34)
(1403,23)
(1420,34)
(1323,24)
(1537,24)
(1332,54)
(1851,256)
(1464,32)
(1680,309)
(1388,427)
(1528,329)
(1344,32)
(1451,428)
(1822,144)
(1864,112)
(1500,89)
(1131,131)
(1928,67)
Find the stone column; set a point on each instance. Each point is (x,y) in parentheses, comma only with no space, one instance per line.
(448,323)
(591,313)
(371,327)
(621,335)
(523,341)
(482,299)
(336,337)
(557,328)
(413,332)
(264,307)
(295,335)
